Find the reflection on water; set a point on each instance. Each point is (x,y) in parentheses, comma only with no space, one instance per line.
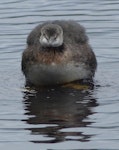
(63,107)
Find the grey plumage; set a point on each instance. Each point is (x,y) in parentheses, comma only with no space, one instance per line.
(72,31)
(75,49)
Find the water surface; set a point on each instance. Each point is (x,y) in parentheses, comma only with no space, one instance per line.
(59,118)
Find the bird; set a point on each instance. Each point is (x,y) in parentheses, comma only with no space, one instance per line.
(58,52)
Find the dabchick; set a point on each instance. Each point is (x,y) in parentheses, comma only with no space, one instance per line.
(58,52)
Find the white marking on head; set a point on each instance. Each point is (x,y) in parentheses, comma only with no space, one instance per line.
(51,36)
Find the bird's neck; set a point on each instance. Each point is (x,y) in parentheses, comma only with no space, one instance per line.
(51,48)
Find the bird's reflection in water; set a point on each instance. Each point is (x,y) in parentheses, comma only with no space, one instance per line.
(62,107)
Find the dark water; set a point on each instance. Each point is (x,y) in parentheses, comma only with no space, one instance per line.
(59,118)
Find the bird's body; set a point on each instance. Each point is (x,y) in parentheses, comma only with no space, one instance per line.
(58,52)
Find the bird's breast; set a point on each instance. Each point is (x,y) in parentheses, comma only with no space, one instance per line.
(42,74)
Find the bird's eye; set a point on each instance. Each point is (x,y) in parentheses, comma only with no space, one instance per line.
(55,37)
(43,34)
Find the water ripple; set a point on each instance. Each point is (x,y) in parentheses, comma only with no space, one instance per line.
(84,119)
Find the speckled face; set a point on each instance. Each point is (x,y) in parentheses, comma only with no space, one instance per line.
(51,36)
